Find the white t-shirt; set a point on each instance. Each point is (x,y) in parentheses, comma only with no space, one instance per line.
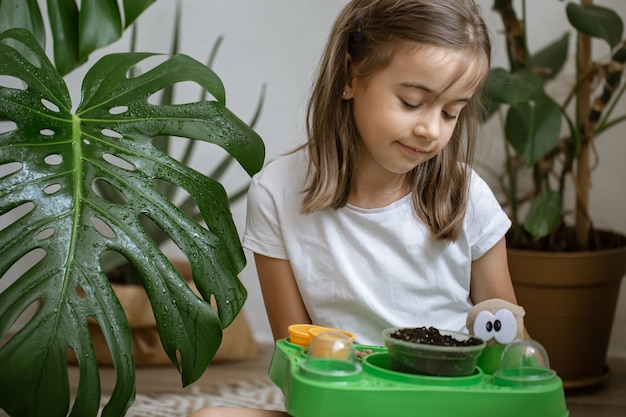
(364,270)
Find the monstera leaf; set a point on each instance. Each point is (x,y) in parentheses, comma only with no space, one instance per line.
(50,162)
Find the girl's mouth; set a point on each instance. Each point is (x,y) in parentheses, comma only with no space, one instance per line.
(415,152)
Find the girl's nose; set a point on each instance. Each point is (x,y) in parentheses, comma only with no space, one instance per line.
(427,125)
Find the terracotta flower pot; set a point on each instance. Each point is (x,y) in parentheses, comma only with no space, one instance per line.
(570,301)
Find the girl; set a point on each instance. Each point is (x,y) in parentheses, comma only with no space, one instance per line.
(378,220)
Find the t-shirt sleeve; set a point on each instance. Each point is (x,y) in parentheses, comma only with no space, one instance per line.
(486,222)
(263,233)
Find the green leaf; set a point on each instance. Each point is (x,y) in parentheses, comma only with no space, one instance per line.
(99,24)
(133,8)
(62,156)
(63,16)
(544,214)
(512,88)
(597,21)
(23,14)
(533,128)
(550,60)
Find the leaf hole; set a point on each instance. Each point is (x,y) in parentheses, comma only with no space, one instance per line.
(15,214)
(50,105)
(7,126)
(53,159)
(24,50)
(153,230)
(118,162)
(27,314)
(47,132)
(118,110)
(103,227)
(146,65)
(183,92)
(19,268)
(108,192)
(51,189)
(179,359)
(102,354)
(9,168)
(177,195)
(111,133)
(71,355)
(28,261)
(165,242)
(11,82)
(118,269)
(86,142)
(45,234)
(80,292)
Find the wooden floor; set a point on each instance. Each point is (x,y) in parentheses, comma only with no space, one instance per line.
(606,400)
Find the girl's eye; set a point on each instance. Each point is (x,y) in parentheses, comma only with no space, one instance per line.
(409,105)
(450,116)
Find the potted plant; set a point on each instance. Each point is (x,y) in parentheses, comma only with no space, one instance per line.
(549,152)
(52,160)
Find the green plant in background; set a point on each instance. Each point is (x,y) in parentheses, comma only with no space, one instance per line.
(76,31)
(55,163)
(537,151)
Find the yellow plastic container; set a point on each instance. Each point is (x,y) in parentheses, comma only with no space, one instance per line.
(301,334)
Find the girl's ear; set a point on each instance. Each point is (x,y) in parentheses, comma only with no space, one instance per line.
(347,92)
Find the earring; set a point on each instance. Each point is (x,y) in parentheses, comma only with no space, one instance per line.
(343,94)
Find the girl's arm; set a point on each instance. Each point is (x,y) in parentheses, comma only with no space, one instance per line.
(281,295)
(490,277)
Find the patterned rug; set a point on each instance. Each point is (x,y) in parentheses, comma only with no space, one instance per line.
(249,394)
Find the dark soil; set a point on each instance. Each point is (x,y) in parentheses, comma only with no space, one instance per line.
(564,240)
(431,336)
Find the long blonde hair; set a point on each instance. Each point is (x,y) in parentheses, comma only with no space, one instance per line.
(370,32)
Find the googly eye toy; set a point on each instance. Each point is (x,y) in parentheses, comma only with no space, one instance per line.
(498,323)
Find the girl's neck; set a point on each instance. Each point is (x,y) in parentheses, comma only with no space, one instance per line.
(370,191)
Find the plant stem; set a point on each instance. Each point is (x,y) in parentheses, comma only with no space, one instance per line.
(517,50)
(583,174)
(613,79)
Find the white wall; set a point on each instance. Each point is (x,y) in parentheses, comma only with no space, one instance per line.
(278,42)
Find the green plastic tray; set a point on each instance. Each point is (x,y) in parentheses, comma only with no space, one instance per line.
(331,388)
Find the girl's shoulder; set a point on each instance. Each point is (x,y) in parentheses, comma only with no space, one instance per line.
(284,171)
(283,162)
(478,187)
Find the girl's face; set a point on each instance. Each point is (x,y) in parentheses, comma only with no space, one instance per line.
(406,112)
